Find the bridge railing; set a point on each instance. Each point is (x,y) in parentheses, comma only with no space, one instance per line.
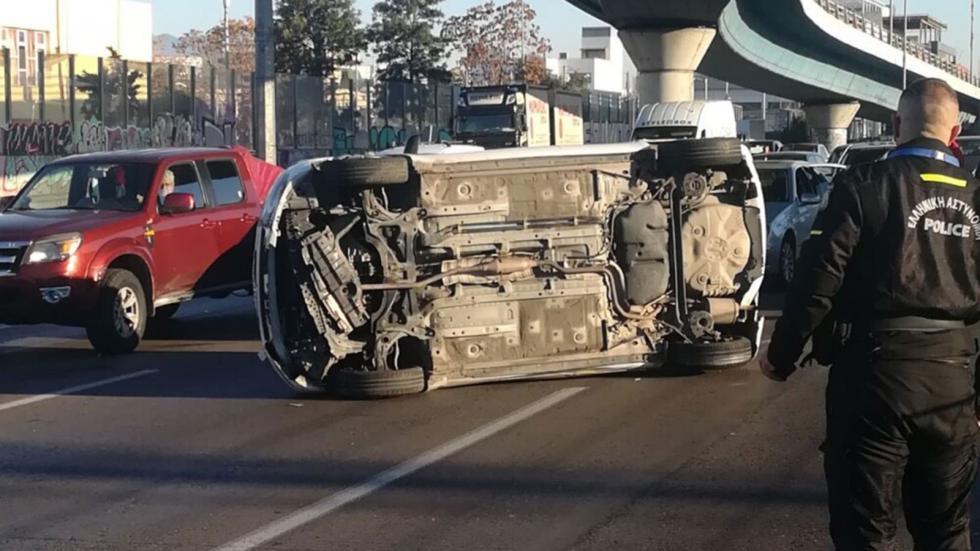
(873,28)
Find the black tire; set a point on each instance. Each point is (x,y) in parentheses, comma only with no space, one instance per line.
(167,312)
(688,155)
(368,385)
(787,262)
(711,356)
(120,289)
(365,171)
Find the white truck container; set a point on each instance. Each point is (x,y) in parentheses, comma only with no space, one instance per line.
(686,120)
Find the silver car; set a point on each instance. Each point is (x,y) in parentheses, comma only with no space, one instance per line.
(380,276)
(794,192)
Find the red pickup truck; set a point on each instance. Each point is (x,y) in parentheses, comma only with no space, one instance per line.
(107,241)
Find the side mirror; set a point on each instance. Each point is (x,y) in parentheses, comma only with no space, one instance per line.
(810,199)
(176,203)
(6,202)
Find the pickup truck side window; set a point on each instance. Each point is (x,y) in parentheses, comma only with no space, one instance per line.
(186,180)
(226,182)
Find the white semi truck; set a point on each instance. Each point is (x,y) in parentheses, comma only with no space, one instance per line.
(518,115)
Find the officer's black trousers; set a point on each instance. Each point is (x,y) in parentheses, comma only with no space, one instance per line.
(901,429)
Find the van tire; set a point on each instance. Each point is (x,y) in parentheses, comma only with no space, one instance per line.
(383,383)
(120,314)
(688,155)
(711,356)
(365,171)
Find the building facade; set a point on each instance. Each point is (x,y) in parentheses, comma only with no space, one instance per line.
(602,60)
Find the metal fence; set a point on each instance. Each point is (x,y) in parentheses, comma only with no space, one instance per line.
(914,49)
(58,105)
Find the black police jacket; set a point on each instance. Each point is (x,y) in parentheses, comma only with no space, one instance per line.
(905,233)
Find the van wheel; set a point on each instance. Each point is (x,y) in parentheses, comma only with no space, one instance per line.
(167,312)
(711,356)
(119,319)
(364,171)
(385,383)
(686,155)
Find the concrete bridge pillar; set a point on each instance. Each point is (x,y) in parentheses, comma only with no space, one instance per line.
(666,61)
(830,121)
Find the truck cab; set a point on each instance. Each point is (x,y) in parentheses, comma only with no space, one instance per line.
(518,115)
(685,120)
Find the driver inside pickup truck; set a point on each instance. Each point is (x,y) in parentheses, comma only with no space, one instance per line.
(166,185)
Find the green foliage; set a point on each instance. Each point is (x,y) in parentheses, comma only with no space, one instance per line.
(115,80)
(402,32)
(315,37)
(798,131)
(579,83)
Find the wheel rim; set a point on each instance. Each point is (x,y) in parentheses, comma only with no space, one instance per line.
(126,312)
(788,262)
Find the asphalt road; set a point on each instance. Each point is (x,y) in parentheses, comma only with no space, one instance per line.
(193,443)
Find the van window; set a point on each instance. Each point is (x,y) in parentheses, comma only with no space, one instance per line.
(226,182)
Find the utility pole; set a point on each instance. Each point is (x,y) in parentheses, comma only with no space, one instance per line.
(973,5)
(891,22)
(227,38)
(905,45)
(265,82)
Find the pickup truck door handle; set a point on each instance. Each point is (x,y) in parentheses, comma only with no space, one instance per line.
(208,225)
(248,218)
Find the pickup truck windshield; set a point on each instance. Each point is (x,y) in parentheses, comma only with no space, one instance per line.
(88,186)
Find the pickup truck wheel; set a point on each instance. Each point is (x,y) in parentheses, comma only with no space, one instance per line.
(119,319)
(687,155)
(367,385)
(164,313)
(365,171)
(711,356)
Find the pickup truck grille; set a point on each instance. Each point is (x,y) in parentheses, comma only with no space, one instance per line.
(11,255)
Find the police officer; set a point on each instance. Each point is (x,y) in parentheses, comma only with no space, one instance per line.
(895,257)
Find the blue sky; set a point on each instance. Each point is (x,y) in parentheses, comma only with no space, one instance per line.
(559,21)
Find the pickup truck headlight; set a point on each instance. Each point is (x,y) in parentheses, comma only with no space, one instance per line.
(54,249)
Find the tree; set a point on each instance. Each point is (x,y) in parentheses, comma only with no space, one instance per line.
(315,37)
(113,85)
(499,44)
(209,46)
(797,131)
(580,83)
(404,41)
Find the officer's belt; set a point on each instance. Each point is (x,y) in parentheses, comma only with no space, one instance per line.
(916,324)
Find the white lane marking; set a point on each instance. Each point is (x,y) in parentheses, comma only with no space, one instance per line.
(74,389)
(349,495)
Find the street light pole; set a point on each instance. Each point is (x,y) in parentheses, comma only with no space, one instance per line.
(972,29)
(265,82)
(905,45)
(891,22)
(227,38)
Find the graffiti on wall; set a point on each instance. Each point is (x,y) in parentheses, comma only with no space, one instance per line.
(27,146)
(383,137)
(15,171)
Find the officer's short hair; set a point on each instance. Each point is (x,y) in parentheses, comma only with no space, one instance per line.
(935,89)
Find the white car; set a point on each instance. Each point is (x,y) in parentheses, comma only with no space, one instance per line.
(380,276)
